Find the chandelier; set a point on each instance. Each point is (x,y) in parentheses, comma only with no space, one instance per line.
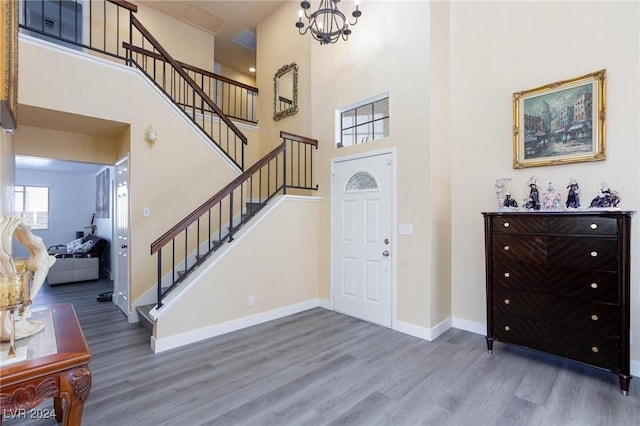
(327,24)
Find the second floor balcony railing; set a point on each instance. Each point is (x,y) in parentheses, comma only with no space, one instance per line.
(103,27)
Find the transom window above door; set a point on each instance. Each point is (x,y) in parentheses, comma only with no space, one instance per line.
(363,122)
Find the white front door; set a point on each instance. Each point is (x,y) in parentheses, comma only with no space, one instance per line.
(121,284)
(362,235)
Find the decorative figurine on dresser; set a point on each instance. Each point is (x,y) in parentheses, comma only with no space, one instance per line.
(533,202)
(551,198)
(573,199)
(509,202)
(501,185)
(558,282)
(606,198)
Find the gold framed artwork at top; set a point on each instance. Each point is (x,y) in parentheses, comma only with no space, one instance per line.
(561,122)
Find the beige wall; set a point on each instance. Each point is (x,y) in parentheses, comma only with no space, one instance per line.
(61,145)
(271,247)
(282,46)
(171,179)
(498,48)
(7,172)
(372,62)
(237,75)
(184,42)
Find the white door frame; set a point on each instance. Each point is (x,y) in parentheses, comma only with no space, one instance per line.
(394,202)
(115,233)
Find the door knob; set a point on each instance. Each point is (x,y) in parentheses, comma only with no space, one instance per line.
(385,253)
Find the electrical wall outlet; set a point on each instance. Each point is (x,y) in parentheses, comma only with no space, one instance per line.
(250,301)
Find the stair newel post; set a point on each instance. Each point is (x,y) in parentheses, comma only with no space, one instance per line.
(284,166)
(159,278)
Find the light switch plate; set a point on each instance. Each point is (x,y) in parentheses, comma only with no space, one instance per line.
(405,229)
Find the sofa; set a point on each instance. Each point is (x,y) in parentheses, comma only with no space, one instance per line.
(78,260)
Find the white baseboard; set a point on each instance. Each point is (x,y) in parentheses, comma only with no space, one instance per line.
(422,332)
(411,329)
(472,326)
(635,368)
(166,343)
(326,304)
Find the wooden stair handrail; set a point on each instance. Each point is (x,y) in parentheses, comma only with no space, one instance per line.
(194,215)
(298,138)
(183,74)
(122,3)
(191,67)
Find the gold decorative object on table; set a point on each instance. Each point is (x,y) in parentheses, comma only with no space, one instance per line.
(20,281)
(15,295)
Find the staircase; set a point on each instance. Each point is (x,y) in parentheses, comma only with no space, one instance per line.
(114,32)
(144,316)
(191,242)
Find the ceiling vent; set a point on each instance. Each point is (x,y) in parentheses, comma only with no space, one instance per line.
(199,18)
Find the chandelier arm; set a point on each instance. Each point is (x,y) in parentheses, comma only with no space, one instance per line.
(306,30)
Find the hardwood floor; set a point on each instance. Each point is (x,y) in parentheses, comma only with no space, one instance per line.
(322,368)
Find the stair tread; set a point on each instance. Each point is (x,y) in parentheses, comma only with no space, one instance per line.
(143,316)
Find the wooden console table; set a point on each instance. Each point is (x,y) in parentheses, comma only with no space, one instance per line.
(63,375)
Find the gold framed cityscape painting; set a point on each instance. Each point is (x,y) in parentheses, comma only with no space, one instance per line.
(561,122)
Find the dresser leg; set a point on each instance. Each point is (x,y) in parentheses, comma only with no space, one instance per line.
(624,383)
(489,344)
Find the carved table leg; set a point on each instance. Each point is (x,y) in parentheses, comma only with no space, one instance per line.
(624,383)
(57,406)
(75,386)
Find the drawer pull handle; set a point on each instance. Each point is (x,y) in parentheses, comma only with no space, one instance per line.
(507,301)
(507,328)
(594,254)
(594,226)
(506,224)
(594,285)
(506,248)
(506,275)
(594,317)
(595,349)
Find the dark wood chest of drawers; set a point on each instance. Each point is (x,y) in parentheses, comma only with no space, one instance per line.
(558,282)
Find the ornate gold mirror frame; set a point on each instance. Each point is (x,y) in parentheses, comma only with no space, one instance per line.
(285,92)
(9,63)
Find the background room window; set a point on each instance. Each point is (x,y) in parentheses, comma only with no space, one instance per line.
(32,203)
(364,122)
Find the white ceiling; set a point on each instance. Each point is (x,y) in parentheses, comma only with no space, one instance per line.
(226,19)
